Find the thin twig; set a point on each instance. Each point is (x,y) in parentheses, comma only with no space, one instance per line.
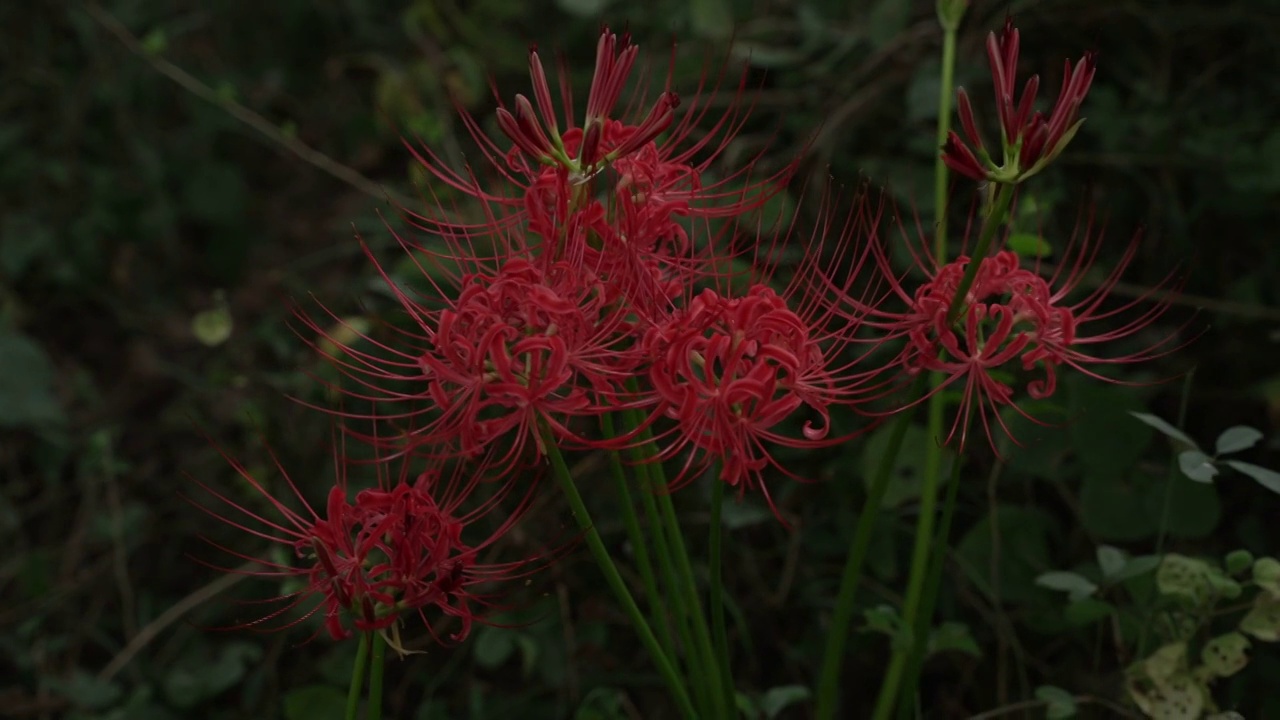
(264,126)
(169,617)
(1175,297)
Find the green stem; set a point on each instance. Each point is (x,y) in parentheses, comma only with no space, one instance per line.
(945,93)
(375,677)
(675,595)
(717,588)
(992,220)
(697,634)
(614,578)
(919,561)
(642,455)
(939,555)
(689,583)
(638,544)
(357,678)
(838,632)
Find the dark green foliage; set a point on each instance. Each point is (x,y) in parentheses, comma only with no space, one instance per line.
(150,241)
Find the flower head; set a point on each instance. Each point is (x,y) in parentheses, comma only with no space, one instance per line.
(628,144)
(727,368)
(1029,140)
(518,344)
(1014,321)
(367,562)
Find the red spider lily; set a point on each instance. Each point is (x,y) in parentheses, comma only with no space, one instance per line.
(1029,140)
(656,156)
(519,345)
(1014,320)
(730,369)
(366,563)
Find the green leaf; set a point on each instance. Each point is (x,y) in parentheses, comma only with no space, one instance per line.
(27,397)
(1268,479)
(1076,586)
(1087,611)
(86,691)
(1021,556)
(493,647)
(1029,245)
(198,677)
(1263,620)
(1133,507)
(1235,439)
(1194,509)
(529,652)
(1224,586)
(1107,442)
(1226,654)
(1176,697)
(777,699)
(1041,449)
(1266,573)
(1166,662)
(315,702)
(1111,560)
(1137,566)
(1116,508)
(213,327)
(746,704)
(602,703)
(908,468)
(1181,575)
(953,636)
(1197,466)
(884,619)
(1166,428)
(736,514)
(1237,561)
(1059,704)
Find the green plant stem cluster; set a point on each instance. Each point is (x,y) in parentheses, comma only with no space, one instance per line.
(371,656)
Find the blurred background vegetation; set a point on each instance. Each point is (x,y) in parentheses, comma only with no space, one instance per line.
(176,173)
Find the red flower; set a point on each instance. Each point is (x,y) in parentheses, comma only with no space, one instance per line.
(519,345)
(557,165)
(728,370)
(1029,140)
(365,564)
(1013,321)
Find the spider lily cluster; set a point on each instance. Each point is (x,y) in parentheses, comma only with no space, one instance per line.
(609,296)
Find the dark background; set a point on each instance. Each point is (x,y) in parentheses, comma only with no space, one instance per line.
(174,174)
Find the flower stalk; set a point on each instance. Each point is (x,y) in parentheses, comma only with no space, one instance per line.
(619,587)
(357,678)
